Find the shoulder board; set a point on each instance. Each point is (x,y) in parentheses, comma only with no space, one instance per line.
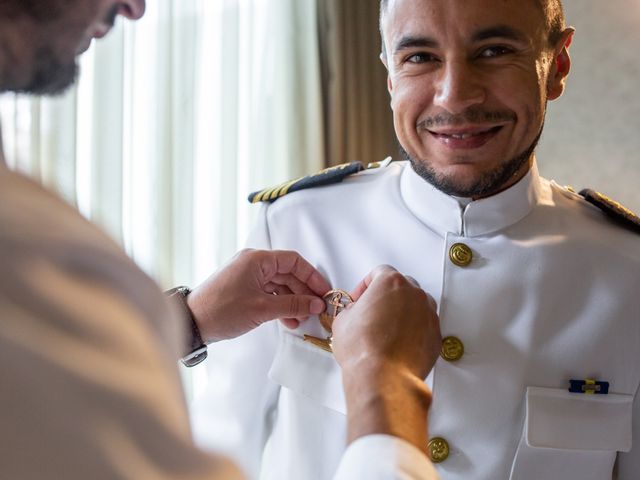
(612,209)
(327,176)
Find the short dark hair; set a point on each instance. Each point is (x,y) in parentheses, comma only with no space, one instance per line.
(554,17)
(553,14)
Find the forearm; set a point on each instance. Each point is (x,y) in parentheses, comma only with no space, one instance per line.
(384,399)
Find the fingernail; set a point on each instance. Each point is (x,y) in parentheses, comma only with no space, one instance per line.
(316,307)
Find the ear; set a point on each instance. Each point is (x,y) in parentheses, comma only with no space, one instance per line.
(561,65)
(383,59)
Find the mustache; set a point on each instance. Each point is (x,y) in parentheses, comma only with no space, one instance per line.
(472,115)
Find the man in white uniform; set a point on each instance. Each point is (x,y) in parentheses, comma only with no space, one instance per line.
(537,288)
(88,383)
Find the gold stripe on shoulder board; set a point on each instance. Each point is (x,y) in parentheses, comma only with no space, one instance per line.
(616,204)
(258,196)
(262,195)
(285,189)
(382,164)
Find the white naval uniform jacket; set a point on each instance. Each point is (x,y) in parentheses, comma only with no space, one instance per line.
(552,294)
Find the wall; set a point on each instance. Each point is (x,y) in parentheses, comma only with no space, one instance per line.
(592,136)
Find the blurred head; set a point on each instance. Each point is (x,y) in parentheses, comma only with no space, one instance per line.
(469,82)
(40,40)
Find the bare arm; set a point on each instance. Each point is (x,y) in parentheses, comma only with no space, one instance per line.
(386,344)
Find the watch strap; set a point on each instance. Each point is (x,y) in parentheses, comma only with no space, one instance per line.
(197,348)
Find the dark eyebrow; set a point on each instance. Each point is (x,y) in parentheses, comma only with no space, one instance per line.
(500,31)
(413,42)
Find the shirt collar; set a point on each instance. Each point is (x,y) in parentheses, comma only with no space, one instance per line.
(445,214)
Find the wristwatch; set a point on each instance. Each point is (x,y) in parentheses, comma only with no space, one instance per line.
(198,347)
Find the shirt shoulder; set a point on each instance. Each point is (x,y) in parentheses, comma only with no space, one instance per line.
(348,174)
(588,217)
(595,206)
(90,335)
(41,232)
(613,210)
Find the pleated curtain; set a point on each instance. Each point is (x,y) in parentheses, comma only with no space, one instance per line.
(175,120)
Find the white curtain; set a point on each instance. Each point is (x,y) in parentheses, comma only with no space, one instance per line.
(175,119)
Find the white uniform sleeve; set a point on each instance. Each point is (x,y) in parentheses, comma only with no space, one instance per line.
(234,415)
(383,457)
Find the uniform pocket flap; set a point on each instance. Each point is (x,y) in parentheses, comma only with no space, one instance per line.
(308,371)
(557,418)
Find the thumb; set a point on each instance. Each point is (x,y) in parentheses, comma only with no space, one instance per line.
(293,306)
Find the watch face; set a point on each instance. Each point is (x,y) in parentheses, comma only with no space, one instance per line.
(184,291)
(195,357)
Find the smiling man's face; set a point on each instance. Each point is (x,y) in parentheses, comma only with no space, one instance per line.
(469,83)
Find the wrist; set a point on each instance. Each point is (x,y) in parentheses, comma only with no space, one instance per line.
(195,348)
(385,398)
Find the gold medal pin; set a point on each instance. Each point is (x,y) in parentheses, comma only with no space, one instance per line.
(336,301)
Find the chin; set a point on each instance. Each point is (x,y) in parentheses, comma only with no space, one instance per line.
(52,77)
(462,178)
(465,179)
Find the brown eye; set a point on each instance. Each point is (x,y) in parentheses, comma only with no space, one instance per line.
(421,58)
(493,52)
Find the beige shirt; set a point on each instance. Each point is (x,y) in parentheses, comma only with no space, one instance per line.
(89,387)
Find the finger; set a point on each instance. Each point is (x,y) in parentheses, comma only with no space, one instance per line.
(292,263)
(432,303)
(277,289)
(290,323)
(366,281)
(295,285)
(412,281)
(292,306)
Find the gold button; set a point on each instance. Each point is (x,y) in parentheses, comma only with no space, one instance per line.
(438,450)
(452,349)
(460,254)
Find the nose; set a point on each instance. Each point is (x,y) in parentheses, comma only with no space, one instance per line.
(458,88)
(131,9)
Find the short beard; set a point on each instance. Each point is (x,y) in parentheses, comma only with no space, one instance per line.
(50,76)
(51,73)
(489,184)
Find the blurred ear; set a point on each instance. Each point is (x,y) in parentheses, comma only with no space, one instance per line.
(383,59)
(561,65)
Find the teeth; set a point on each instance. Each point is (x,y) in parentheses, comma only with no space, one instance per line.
(464,136)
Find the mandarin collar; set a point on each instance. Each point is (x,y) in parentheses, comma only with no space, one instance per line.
(445,214)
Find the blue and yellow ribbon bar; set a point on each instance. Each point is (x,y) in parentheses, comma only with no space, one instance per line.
(589,387)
